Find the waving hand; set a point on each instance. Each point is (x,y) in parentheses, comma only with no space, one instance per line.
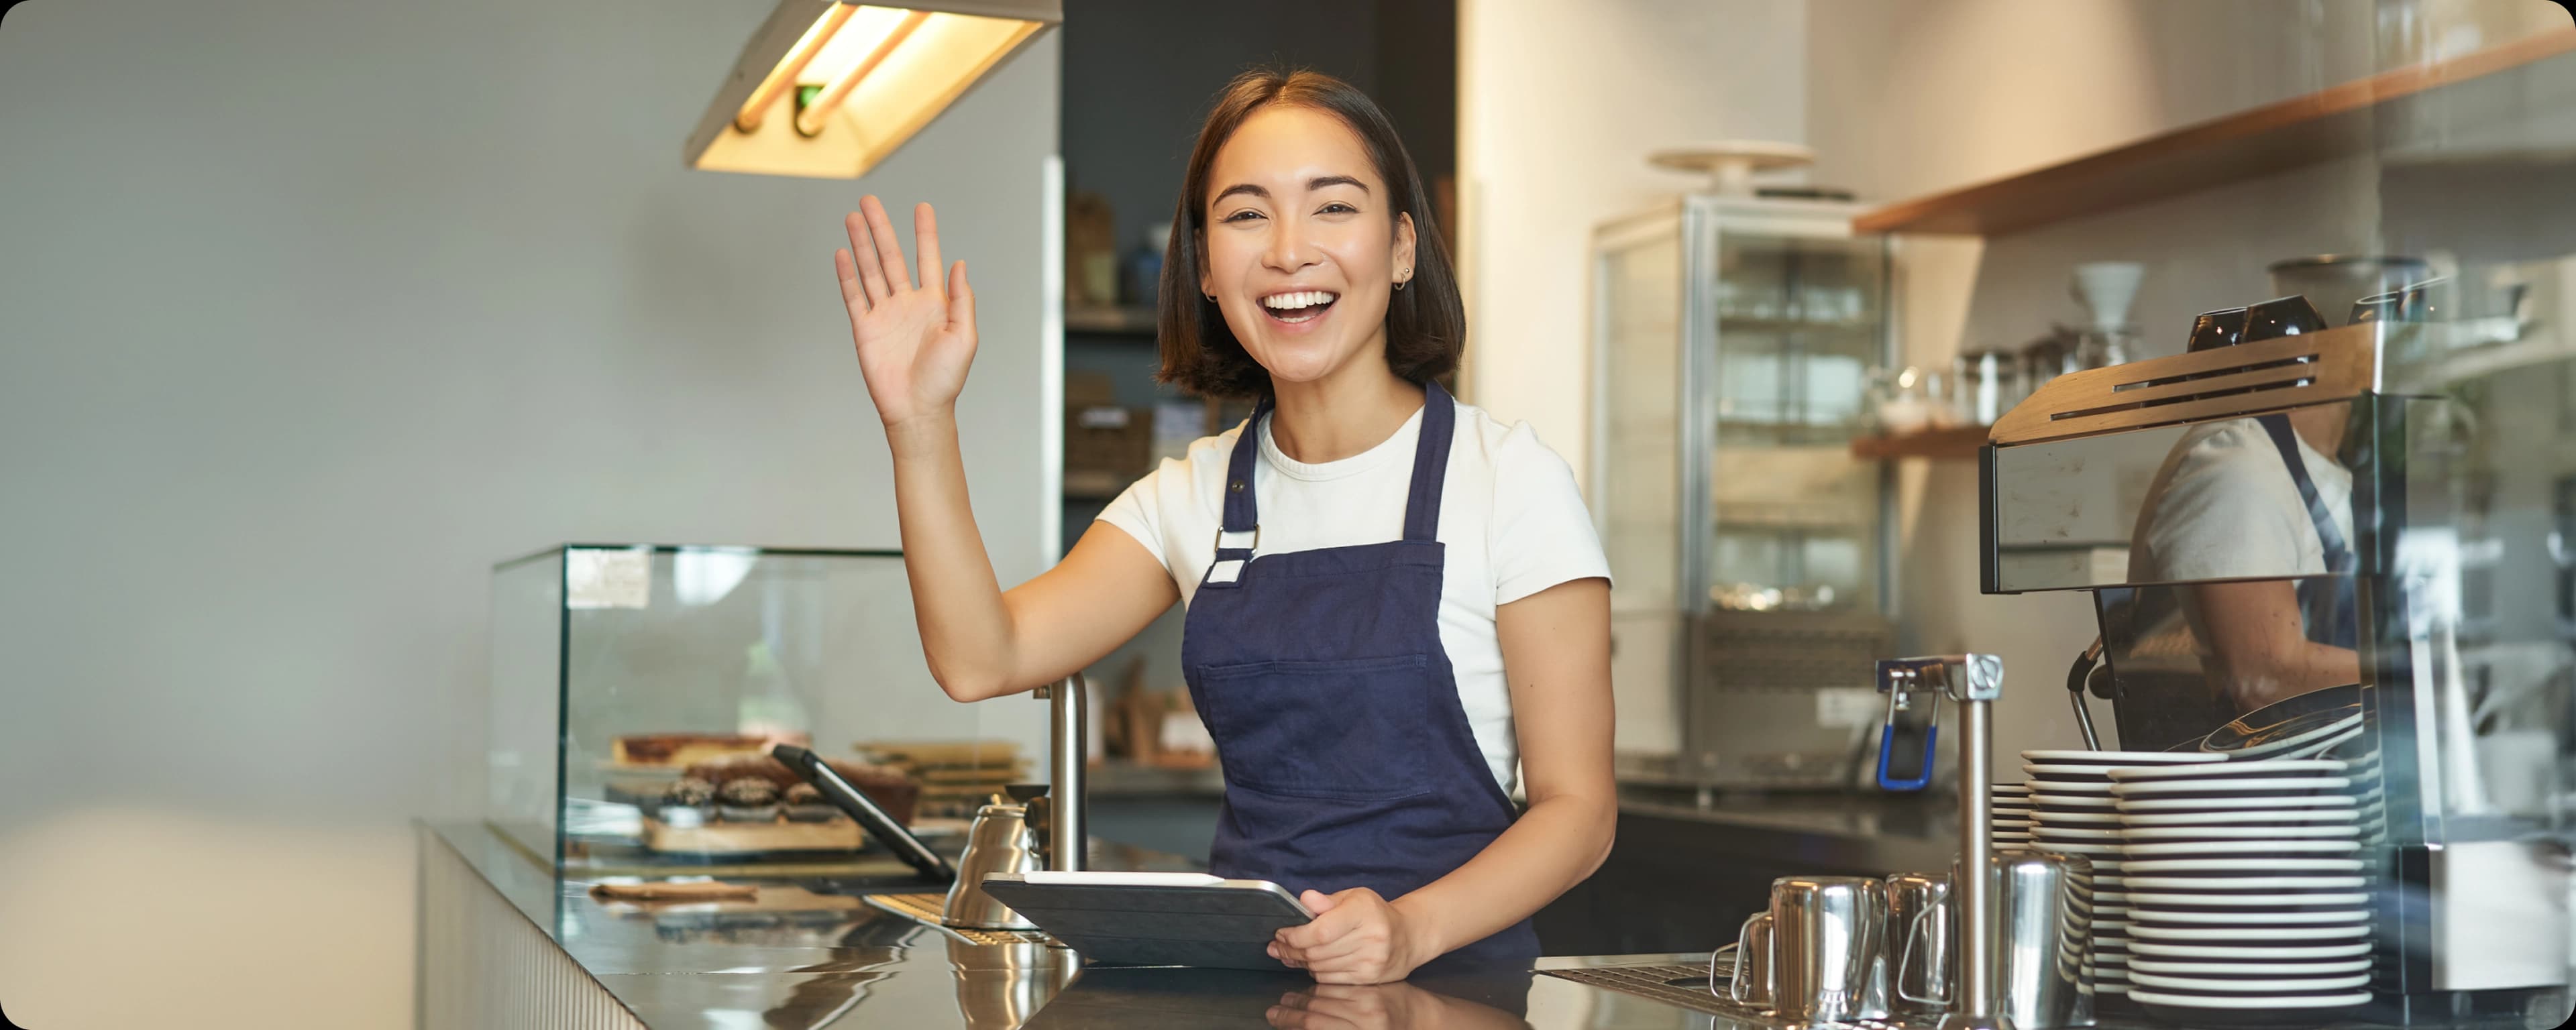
(914,342)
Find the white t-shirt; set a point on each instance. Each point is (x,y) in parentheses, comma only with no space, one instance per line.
(1510,515)
(2224,507)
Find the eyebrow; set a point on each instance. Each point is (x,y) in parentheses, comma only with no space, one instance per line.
(1316,183)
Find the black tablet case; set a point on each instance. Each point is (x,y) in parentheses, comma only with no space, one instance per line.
(1123,925)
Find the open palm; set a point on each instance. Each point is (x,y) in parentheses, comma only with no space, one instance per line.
(914,342)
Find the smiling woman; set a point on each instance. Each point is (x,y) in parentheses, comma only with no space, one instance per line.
(1397,606)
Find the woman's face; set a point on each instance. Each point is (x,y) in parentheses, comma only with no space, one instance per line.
(1300,251)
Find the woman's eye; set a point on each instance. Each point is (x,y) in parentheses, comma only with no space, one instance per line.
(1243,216)
(1337,208)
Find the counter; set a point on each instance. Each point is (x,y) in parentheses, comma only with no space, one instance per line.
(1690,865)
(503,937)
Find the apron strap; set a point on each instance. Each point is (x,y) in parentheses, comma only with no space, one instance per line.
(1421,504)
(2338,558)
(1430,463)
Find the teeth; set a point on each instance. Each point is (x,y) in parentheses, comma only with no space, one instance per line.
(1299,299)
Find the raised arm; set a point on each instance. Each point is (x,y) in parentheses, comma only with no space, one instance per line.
(915,344)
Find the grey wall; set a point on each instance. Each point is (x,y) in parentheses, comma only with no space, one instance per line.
(311,311)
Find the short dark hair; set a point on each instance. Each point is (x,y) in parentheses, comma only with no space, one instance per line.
(1426,322)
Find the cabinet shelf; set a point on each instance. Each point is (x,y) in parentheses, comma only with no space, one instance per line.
(2309,129)
(1956,443)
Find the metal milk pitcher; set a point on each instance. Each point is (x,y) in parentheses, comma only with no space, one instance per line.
(1828,964)
(1922,943)
(2043,917)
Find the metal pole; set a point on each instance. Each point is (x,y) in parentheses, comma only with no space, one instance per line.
(1068,745)
(1976,901)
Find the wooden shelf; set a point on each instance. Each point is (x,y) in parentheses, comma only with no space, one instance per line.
(2303,130)
(1958,443)
(1123,320)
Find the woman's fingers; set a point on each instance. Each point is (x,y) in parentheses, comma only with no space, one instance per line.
(889,252)
(852,294)
(863,253)
(961,301)
(925,238)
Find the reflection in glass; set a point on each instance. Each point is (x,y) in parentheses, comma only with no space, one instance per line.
(2255,515)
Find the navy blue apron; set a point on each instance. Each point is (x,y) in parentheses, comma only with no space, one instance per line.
(1348,760)
(2328,605)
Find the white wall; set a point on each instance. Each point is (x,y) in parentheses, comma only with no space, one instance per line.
(1559,102)
(313,311)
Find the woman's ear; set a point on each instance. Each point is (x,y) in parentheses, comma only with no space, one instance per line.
(1403,254)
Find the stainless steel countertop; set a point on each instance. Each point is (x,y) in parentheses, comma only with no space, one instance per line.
(825,962)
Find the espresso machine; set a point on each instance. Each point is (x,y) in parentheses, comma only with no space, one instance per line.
(2392,628)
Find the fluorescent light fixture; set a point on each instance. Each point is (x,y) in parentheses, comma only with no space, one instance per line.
(827,90)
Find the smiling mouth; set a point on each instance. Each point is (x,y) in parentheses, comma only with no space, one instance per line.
(1299,306)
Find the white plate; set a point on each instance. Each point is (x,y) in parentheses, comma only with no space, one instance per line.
(2255,1001)
(2100,880)
(2319,748)
(2150,914)
(2173,968)
(2073,773)
(2122,757)
(2247,883)
(2288,801)
(2073,848)
(2243,847)
(2146,833)
(2094,801)
(2236,769)
(2143,932)
(2013,824)
(2079,833)
(2268,748)
(2264,785)
(2091,818)
(2197,985)
(2043,790)
(2152,866)
(2168,899)
(2258,952)
(2302,816)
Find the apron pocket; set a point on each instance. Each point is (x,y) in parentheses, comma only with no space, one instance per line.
(1357,729)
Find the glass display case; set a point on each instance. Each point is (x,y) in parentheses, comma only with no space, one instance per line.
(621,671)
(1733,338)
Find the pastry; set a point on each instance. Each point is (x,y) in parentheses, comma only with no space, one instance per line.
(806,805)
(749,799)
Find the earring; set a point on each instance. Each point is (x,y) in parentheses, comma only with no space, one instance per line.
(1210,296)
(1408,277)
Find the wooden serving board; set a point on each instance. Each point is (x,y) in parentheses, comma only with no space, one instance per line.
(735,838)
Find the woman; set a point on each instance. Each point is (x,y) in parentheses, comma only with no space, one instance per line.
(1362,562)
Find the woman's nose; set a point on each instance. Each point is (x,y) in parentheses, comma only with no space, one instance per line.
(1288,251)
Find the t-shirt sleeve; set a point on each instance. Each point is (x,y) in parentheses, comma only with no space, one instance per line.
(1138,510)
(1541,534)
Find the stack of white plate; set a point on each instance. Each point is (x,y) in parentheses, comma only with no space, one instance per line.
(2072,813)
(2247,894)
(2011,820)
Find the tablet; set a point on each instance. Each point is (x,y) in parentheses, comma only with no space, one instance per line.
(1155,919)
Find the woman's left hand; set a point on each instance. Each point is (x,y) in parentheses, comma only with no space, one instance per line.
(1357,937)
